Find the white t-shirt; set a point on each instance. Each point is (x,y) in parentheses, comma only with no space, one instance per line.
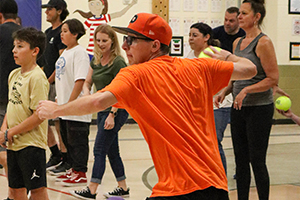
(72,65)
(191,55)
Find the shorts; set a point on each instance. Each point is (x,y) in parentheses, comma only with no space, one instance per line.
(51,97)
(2,114)
(52,92)
(27,168)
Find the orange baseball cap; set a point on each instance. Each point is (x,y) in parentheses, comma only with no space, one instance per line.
(150,26)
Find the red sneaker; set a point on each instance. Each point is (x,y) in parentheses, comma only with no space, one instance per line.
(77,179)
(64,176)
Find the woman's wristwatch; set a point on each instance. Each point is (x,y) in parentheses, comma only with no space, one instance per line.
(5,135)
(114,113)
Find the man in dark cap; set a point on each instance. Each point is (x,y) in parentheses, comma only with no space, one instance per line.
(57,4)
(56,11)
(8,14)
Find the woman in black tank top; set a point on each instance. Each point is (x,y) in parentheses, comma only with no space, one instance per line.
(252,110)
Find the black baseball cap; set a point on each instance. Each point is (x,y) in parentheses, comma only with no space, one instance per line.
(8,6)
(58,4)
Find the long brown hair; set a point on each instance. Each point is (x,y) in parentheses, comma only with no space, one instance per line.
(115,47)
(89,14)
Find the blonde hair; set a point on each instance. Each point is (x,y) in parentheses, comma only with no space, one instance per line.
(115,47)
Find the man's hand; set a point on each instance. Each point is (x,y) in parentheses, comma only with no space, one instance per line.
(2,138)
(109,122)
(220,55)
(46,110)
(218,99)
(287,113)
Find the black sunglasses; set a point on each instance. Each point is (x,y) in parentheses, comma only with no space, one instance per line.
(129,39)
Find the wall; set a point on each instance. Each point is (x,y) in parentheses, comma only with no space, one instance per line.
(277,25)
(113,6)
(188,12)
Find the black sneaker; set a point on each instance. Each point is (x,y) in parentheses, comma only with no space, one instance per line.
(85,193)
(53,162)
(60,169)
(118,192)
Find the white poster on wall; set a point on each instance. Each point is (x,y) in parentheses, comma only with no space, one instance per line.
(216,5)
(187,24)
(186,49)
(188,5)
(202,5)
(203,20)
(175,25)
(216,22)
(230,3)
(174,5)
(296,26)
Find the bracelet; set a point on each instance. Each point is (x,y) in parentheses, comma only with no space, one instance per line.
(226,58)
(5,135)
(114,113)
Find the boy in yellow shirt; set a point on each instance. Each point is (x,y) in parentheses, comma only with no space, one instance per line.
(25,133)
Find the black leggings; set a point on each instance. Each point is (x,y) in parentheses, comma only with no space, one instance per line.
(250,130)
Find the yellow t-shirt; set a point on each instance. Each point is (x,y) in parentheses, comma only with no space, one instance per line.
(172,101)
(25,92)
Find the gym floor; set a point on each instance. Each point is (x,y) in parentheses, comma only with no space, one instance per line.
(283,162)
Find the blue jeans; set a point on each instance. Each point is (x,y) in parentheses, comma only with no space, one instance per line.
(222,118)
(107,143)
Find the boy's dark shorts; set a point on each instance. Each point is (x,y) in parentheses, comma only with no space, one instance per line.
(27,168)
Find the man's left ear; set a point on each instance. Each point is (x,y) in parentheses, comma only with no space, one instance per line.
(156,45)
(36,51)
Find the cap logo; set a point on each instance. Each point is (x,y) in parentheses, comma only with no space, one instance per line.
(151,32)
(134,19)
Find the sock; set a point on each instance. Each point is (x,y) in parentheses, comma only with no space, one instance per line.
(55,151)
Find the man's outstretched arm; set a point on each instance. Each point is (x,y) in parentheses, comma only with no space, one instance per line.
(81,106)
(243,68)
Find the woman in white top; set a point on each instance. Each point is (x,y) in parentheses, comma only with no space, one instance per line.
(200,37)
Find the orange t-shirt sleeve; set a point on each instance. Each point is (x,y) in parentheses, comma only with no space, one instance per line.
(122,88)
(220,73)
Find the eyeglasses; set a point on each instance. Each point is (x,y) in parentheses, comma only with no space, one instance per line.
(129,39)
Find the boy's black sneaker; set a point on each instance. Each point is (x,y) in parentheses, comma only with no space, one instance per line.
(117,192)
(60,169)
(85,193)
(53,162)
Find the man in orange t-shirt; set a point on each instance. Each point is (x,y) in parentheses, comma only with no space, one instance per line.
(171,100)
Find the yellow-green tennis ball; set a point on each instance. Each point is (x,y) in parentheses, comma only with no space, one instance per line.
(203,55)
(283,103)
